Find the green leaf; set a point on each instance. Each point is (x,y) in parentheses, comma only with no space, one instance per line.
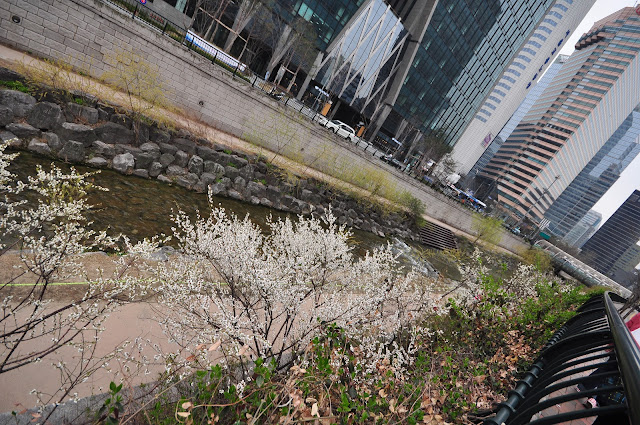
(112,387)
(260,381)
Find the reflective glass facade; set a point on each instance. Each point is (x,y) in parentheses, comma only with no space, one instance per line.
(596,178)
(359,65)
(585,228)
(618,236)
(467,46)
(592,95)
(517,116)
(328,16)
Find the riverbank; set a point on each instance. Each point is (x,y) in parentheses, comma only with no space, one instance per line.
(438,209)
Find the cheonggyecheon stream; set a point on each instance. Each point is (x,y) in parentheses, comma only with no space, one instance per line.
(141,208)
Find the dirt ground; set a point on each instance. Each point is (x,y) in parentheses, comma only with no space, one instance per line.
(64,288)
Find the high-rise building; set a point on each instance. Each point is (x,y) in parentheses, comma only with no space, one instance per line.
(594,92)
(527,103)
(600,173)
(528,65)
(611,248)
(407,68)
(462,56)
(584,229)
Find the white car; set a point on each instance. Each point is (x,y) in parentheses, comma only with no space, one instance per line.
(341,129)
(320,119)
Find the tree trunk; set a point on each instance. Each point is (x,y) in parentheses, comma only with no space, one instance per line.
(284,43)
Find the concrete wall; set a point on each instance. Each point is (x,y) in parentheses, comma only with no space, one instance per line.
(85,32)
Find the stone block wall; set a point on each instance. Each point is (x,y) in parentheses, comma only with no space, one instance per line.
(84,32)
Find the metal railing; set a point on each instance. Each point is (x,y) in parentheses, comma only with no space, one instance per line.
(143,14)
(592,359)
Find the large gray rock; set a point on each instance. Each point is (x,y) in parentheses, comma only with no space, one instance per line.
(247,172)
(188,180)
(72,151)
(123,163)
(239,184)
(166,159)
(231,172)
(257,189)
(289,202)
(39,147)
(141,172)
(6,115)
(164,179)
(158,136)
(45,116)
(123,120)
(20,103)
(213,168)
(260,167)
(239,162)
(206,153)
(175,170)
(226,181)
(103,149)
(196,165)
(151,148)
(155,169)
(185,145)
(23,131)
(208,178)
(77,132)
(167,148)
(97,162)
(234,194)
(127,149)
(224,159)
(103,114)
(10,138)
(218,189)
(144,160)
(267,203)
(85,114)
(111,132)
(181,159)
(52,140)
(273,194)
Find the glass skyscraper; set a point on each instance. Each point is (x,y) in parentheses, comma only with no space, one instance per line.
(467,45)
(584,229)
(610,249)
(597,177)
(592,95)
(517,116)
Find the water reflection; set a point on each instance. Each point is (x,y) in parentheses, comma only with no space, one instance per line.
(141,208)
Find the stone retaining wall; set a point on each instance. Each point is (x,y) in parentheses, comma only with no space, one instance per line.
(101,137)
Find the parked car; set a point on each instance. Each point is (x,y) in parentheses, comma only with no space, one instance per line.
(341,129)
(320,119)
(389,159)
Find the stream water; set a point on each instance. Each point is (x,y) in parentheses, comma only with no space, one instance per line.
(142,208)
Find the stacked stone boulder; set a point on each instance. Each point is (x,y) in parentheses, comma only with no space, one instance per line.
(100,136)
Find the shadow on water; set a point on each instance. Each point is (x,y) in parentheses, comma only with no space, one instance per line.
(141,208)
